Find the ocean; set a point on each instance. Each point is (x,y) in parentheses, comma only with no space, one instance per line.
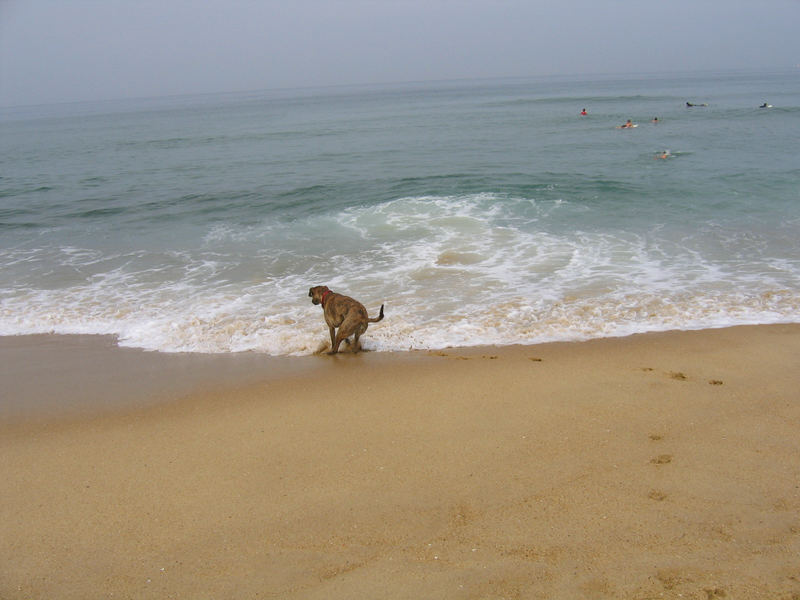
(480,212)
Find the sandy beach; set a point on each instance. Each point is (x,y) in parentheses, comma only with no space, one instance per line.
(655,466)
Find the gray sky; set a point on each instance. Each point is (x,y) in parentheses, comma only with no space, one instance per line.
(67,50)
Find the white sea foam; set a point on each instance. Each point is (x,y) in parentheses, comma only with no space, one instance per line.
(452,271)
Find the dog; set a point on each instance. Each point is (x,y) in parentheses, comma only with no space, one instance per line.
(343,312)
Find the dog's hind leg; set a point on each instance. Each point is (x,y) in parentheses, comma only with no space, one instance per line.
(347,328)
(357,334)
(334,345)
(342,334)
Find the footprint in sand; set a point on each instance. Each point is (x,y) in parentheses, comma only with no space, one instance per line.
(662,459)
(447,355)
(677,375)
(656,437)
(657,495)
(714,382)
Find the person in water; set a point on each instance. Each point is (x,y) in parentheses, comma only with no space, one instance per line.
(627,125)
(664,154)
(584,113)
(655,120)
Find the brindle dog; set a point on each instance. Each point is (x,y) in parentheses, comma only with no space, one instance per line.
(343,312)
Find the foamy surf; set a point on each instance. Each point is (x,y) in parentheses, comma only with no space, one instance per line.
(452,271)
(290,328)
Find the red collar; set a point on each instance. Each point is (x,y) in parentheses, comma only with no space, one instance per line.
(325,295)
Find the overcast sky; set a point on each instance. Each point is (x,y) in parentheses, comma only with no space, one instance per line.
(67,50)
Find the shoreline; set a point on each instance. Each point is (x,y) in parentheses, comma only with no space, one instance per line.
(91,375)
(656,465)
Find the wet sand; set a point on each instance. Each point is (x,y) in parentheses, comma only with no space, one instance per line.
(655,466)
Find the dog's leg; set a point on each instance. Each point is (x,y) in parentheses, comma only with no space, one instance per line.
(337,339)
(334,345)
(357,334)
(344,332)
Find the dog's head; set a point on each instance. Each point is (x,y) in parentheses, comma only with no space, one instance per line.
(316,293)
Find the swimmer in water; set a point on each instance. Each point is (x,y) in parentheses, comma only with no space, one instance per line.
(655,120)
(627,125)
(664,154)
(584,113)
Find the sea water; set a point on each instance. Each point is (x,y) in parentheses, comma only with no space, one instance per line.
(478,212)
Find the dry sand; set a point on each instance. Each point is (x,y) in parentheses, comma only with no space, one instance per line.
(655,466)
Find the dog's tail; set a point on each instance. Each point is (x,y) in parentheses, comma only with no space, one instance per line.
(378,318)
